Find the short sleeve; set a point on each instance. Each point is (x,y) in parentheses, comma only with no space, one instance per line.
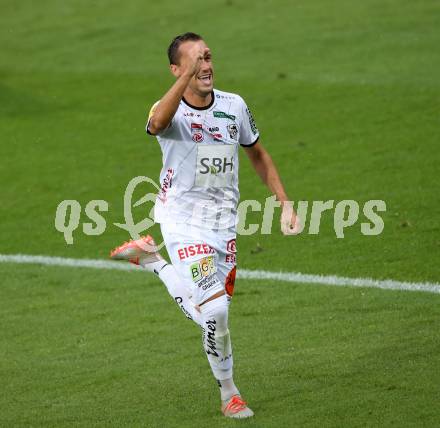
(249,133)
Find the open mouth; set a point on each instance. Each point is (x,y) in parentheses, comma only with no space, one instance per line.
(206,78)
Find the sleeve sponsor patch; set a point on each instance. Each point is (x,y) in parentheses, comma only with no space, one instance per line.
(252,124)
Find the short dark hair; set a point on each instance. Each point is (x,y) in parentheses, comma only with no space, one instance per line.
(173,49)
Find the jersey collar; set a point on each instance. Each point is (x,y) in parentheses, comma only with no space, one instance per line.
(200,108)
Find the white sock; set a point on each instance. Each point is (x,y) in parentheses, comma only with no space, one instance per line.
(216,338)
(227,389)
(167,273)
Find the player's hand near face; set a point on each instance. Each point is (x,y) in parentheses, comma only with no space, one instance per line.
(191,60)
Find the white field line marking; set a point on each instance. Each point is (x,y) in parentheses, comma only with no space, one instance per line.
(338,281)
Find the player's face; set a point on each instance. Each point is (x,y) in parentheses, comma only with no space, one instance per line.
(203,81)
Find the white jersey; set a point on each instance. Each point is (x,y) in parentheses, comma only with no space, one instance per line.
(199,178)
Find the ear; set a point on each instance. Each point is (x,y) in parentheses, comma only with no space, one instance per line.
(175,70)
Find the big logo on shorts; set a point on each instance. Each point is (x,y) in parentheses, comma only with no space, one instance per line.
(231,252)
(194,250)
(202,268)
(231,246)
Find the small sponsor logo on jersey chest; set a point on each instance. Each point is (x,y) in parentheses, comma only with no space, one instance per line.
(223,115)
(191,114)
(197,132)
(232,130)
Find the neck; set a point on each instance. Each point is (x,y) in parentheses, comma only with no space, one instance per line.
(197,100)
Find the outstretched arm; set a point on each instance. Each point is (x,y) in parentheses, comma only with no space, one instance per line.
(266,169)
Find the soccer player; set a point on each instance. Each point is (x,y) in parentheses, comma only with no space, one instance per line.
(199,130)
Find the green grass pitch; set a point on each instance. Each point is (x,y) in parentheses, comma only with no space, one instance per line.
(347,98)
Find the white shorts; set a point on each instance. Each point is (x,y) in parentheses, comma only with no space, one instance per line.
(204,259)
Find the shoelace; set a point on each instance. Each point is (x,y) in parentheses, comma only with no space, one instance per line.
(235,404)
